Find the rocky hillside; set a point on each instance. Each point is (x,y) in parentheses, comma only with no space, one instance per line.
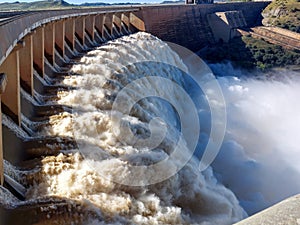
(283,13)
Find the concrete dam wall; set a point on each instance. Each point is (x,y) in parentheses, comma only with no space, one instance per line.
(34,43)
(188,25)
(38,49)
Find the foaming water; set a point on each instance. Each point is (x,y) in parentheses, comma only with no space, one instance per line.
(100,173)
(256,166)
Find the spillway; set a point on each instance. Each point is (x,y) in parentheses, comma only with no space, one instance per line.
(120,156)
(120,138)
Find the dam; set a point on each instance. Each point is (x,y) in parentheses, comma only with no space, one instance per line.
(61,75)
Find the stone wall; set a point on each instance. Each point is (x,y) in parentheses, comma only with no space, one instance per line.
(187,25)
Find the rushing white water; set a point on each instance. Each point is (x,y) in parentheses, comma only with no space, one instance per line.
(257,164)
(190,196)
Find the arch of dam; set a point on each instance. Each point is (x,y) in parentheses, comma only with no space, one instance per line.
(44,43)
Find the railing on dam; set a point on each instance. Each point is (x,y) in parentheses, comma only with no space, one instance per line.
(41,42)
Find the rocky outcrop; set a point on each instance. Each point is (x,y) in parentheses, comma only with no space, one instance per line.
(284,14)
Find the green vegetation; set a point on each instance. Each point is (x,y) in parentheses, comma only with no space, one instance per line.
(266,55)
(251,53)
(283,13)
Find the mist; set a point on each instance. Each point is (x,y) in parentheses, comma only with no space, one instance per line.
(259,158)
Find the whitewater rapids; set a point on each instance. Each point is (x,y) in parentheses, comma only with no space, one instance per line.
(98,174)
(109,178)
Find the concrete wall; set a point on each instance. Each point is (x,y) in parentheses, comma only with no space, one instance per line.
(286,212)
(187,25)
(224,25)
(29,39)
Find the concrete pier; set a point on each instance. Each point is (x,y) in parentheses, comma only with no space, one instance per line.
(90,27)
(99,22)
(60,33)
(80,29)
(26,64)
(108,22)
(38,50)
(11,96)
(49,42)
(3,82)
(70,32)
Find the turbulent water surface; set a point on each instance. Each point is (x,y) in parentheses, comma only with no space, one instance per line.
(256,166)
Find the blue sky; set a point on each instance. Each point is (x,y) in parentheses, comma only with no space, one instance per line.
(83,1)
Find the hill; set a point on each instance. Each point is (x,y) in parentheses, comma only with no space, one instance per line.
(57,4)
(50,4)
(173,2)
(96,4)
(284,14)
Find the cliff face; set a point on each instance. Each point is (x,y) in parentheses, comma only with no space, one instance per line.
(284,14)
